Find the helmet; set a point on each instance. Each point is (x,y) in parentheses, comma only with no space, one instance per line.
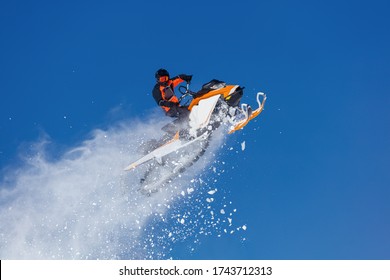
(160,73)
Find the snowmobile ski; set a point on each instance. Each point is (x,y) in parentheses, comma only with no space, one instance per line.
(173,145)
(249,114)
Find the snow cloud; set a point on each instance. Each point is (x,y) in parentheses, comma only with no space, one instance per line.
(82,205)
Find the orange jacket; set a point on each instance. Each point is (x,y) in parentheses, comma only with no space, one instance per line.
(166,92)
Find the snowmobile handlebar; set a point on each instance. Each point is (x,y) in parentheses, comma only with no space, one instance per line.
(185,89)
(185,92)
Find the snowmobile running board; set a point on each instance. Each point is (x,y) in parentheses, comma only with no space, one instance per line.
(172,145)
(252,115)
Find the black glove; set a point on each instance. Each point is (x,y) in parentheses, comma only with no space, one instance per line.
(185,77)
(166,103)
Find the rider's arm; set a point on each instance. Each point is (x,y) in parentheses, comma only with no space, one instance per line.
(181,78)
(177,80)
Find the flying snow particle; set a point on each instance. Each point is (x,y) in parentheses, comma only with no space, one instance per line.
(212,192)
(243,146)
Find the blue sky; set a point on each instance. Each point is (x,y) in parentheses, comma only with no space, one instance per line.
(313,181)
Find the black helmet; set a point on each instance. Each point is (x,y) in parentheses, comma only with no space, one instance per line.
(160,73)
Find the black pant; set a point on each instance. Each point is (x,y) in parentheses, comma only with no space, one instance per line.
(179,112)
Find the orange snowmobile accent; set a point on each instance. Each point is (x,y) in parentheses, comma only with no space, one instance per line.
(225,92)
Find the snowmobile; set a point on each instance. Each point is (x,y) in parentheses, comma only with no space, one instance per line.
(184,142)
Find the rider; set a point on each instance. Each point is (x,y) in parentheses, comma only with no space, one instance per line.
(163,93)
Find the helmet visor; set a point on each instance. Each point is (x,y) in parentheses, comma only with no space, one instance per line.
(163,79)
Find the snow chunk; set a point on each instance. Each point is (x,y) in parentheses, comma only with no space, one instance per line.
(212,192)
(243,146)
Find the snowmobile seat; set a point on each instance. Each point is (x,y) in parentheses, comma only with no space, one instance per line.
(212,85)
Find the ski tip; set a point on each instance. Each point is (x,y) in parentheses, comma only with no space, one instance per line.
(130,167)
